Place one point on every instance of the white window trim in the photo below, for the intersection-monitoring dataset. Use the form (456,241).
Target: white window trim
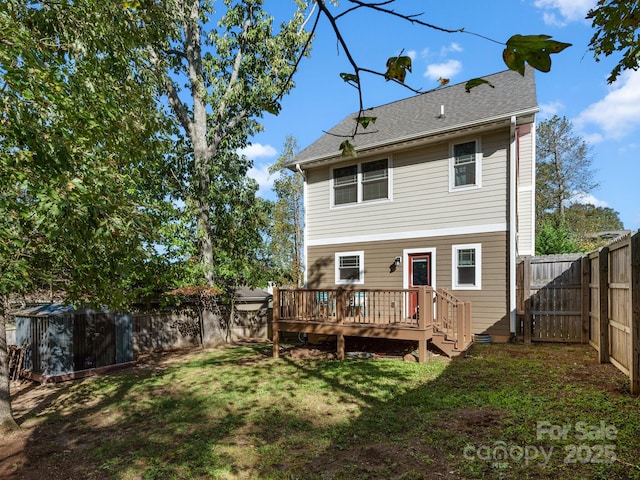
(454,266)
(338,281)
(359,184)
(452,178)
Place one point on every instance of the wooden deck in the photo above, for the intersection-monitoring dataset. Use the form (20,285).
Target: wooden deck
(423,315)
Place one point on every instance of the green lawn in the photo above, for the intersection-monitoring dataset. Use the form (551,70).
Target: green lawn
(505,411)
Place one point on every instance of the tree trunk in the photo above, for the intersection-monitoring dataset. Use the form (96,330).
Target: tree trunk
(206,241)
(7,423)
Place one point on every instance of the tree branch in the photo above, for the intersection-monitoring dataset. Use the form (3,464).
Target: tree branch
(172,93)
(221,123)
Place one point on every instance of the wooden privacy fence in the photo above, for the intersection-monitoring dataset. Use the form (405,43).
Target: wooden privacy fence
(593,298)
(550,298)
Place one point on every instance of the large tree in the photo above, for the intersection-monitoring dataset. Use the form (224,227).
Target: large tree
(563,178)
(563,169)
(220,70)
(589,224)
(80,156)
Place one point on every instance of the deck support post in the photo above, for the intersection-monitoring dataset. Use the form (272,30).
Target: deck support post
(274,323)
(425,320)
(422,350)
(340,347)
(423,308)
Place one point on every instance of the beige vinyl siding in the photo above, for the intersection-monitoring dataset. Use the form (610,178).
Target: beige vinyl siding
(525,223)
(421,198)
(489,305)
(526,161)
(526,191)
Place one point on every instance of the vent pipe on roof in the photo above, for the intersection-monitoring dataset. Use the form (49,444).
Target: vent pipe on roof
(442,115)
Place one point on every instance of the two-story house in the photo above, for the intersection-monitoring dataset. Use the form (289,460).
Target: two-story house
(441,193)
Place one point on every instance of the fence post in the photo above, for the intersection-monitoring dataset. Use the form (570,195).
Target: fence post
(526,296)
(634,364)
(586,297)
(603,265)
(274,323)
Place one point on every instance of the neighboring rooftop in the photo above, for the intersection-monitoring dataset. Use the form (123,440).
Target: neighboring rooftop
(420,115)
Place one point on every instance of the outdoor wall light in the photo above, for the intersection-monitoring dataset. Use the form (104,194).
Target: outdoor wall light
(395,264)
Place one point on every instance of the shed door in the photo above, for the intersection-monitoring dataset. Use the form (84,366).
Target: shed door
(419,272)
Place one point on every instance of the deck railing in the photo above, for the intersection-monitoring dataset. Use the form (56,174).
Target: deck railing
(373,307)
(334,310)
(452,318)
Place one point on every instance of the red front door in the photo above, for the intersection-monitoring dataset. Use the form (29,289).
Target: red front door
(419,275)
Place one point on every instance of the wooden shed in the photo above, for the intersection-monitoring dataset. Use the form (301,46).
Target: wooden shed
(65,343)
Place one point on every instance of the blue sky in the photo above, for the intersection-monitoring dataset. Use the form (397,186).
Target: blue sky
(606,116)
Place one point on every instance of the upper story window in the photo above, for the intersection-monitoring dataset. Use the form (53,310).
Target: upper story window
(465,165)
(361,182)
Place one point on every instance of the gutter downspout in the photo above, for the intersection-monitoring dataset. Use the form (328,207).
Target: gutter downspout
(513,227)
(304,230)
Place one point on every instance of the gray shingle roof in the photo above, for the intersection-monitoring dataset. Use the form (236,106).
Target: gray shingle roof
(418,115)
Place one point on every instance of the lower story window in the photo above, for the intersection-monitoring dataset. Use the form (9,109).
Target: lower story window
(350,267)
(466,267)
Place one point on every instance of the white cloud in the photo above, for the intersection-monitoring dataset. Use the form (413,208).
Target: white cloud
(587,198)
(257,150)
(260,171)
(443,70)
(261,175)
(592,138)
(568,10)
(454,47)
(552,20)
(548,110)
(618,113)
(412,54)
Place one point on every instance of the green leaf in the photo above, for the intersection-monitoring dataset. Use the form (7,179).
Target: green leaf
(535,50)
(348,150)
(349,77)
(365,121)
(272,108)
(397,68)
(476,82)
